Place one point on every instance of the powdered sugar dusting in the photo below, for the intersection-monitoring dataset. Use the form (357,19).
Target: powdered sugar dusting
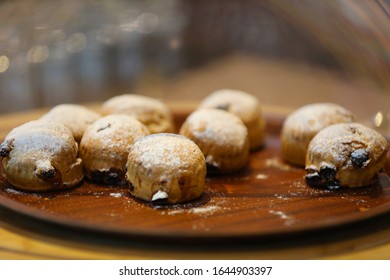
(115,132)
(218,127)
(13,191)
(287,219)
(162,154)
(240,103)
(279,213)
(205,210)
(73,116)
(48,139)
(133,104)
(116,195)
(166,150)
(314,117)
(261,176)
(275,162)
(202,210)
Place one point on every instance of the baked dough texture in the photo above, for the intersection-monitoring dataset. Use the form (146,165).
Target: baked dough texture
(346,155)
(41,156)
(245,106)
(221,136)
(151,112)
(304,123)
(166,168)
(75,117)
(105,146)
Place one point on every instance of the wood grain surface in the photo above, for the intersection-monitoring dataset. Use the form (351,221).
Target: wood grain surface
(267,204)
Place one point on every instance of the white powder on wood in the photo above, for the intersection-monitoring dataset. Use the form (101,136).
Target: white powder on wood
(288,220)
(281,214)
(209,209)
(206,210)
(275,162)
(261,176)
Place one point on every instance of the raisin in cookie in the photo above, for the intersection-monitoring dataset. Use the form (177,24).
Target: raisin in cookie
(347,155)
(75,117)
(167,168)
(41,156)
(303,124)
(151,112)
(244,105)
(221,136)
(105,146)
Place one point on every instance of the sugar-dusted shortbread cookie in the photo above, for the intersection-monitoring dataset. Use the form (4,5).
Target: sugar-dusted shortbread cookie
(167,168)
(41,156)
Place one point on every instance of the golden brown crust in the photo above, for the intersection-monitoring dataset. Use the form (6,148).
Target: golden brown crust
(105,145)
(221,136)
(166,167)
(245,106)
(304,123)
(348,155)
(75,117)
(154,114)
(41,156)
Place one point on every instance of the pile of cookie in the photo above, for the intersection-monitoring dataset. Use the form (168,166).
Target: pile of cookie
(132,142)
(334,148)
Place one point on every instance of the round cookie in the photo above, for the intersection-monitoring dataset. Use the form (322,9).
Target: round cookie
(304,123)
(75,117)
(149,111)
(166,167)
(105,146)
(244,105)
(221,136)
(41,156)
(347,155)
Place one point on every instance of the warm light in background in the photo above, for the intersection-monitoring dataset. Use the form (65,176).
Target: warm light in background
(38,54)
(80,51)
(4,63)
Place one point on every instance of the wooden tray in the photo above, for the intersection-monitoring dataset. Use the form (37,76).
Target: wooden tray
(269,197)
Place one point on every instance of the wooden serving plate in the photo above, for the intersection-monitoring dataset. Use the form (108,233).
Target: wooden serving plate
(269,197)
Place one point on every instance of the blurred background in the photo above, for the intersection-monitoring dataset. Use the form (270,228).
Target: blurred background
(286,52)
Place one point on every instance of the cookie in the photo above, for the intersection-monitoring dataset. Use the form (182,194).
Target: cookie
(304,123)
(41,156)
(166,168)
(346,155)
(221,136)
(151,112)
(105,146)
(75,117)
(244,105)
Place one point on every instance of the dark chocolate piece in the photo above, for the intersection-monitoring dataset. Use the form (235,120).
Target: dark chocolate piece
(313,179)
(359,158)
(224,107)
(5,148)
(109,177)
(328,172)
